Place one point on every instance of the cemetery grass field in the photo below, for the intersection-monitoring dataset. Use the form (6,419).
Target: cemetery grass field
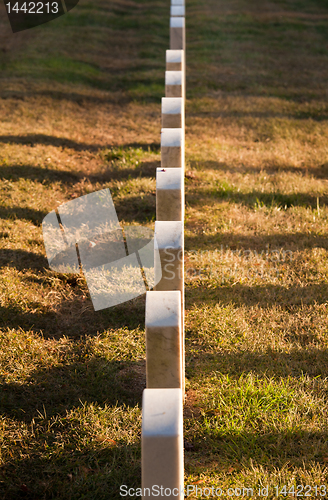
(80,111)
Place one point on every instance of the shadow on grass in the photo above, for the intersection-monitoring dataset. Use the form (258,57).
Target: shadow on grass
(315,115)
(246,450)
(45,175)
(142,170)
(22,260)
(92,471)
(73,317)
(48,140)
(238,243)
(73,469)
(29,214)
(254,198)
(62,142)
(76,97)
(136,208)
(56,389)
(304,360)
(116,91)
(320,172)
(69,178)
(261,295)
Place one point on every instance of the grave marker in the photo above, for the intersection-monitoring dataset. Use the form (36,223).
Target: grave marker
(169,246)
(174,84)
(177,33)
(169,194)
(162,443)
(172,112)
(163,340)
(172,148)
(169,242)
(174,60)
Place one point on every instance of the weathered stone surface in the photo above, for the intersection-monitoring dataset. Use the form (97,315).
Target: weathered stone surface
(169,194)
(163,340)
(162,443)
(178,11)
(172,148)
(173,112)
(177,33)
(174,84)
(174,60)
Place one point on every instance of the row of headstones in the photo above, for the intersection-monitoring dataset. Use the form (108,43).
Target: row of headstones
(162,404)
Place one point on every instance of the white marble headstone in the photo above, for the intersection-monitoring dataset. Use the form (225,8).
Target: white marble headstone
(174,60)
(163,340)
(174,84)
(172,148)
(177,33)
(173,112)
(169,194)
(162,444)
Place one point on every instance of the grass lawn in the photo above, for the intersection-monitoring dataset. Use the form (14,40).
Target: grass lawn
(80,103)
